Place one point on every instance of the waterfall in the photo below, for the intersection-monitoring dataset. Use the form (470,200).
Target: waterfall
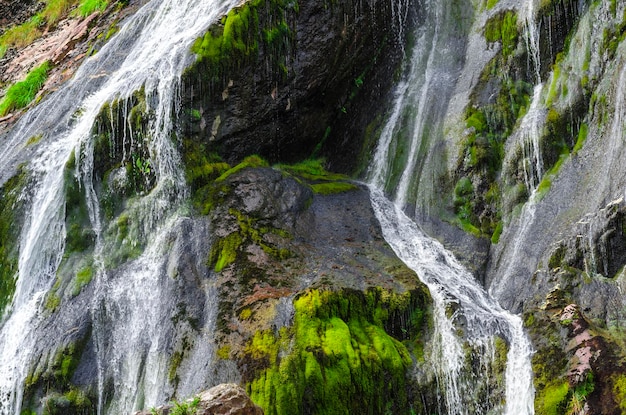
(419,107)
(531,36)
(453,286)
(459,301)
(129,309)
(529,132)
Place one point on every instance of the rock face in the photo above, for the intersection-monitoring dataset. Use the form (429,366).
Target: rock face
(312,89)
(16,11)
(224,399)
(284,265)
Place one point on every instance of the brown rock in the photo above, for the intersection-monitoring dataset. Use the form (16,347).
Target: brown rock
(227,399)
(224,399)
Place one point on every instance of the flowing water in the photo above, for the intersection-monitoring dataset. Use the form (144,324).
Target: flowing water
(127,310)
(530,132)
(453,287)
(460,303)
(420,104)
(150,52)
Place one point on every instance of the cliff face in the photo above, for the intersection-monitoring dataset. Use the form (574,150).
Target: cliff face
(278,278)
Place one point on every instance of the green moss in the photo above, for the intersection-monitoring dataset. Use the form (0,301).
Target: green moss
(503,28)
(582,137)
(313,170)
(224,352)
(314,173)
(87,7)
(333,187)
(241,33)
(224,251)
(74,401)
(245,314)
(10,227)
(553,398)
(34,140)
(79,236)
(175,361)
(83,277)
(491,4)
(546,182)
(23,93)
(495,237)
(341,357)
(253,161)
(619,391)
(53,301)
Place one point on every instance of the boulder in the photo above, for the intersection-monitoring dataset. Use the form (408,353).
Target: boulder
(224,399)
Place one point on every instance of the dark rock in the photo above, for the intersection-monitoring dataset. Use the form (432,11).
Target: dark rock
(337,52)
(14,12)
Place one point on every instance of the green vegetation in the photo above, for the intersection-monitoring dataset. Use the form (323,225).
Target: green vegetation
(73,401)
(83,277)
(225,250)
(321,181)
(333,188)
(185,408)
(491,4)
(253,161)
(10,213)
(240,34)
(53,378)
(503,28)
(23,93)
(582,137)
(24,34)
(347,352)
(79,236)
(478,209)
(87,7)
(554,400)
(619,391)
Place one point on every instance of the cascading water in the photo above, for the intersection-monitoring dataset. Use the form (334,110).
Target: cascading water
(420,105)
(528,138)
(451,286)
(128,309)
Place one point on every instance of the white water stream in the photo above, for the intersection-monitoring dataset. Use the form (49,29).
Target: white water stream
(453,287)
(155,46)
(460,303)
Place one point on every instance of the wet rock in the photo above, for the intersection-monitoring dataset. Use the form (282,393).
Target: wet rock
(285,103)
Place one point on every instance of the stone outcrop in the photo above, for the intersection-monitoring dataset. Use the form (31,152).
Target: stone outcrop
(223,399)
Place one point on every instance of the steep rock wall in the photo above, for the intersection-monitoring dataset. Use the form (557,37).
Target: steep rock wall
(300,79)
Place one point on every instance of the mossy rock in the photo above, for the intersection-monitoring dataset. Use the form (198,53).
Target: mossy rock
(347,352)
(11,206)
